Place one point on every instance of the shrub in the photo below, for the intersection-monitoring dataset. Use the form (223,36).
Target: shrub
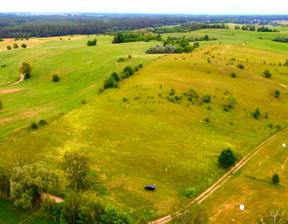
(240,66)
(275,178)
(233,75)
(267,74)
(1,105)
(115,76)
(33,125)
(230,101)
(3,66)
(83,101)
(91,42)
(128,70)
(15,45)
(256,114)
(110,83)
(277,93)
(227,158)
(172,92)
(124,99)
(191,93)
(55,78)
(190,192)
(24,46)
(129,56)
(8,47)
(101,90)
(121,59)
(136,69)
(206,98)
(140,66)
(207,119)
(42,122)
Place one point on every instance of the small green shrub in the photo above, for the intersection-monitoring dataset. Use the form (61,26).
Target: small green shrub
(172,92)
(275,178)
(83,101)
(124,99)
(240,66)
(277,93)
(24,46)
(207,120)
(3,66)
(121,59)
(42,123)
(191,93)
(256,114)
(233,75)
(8,47)
(55,78)
(267,74)
(33,125)
(190,192)
(27,76)
(206,98)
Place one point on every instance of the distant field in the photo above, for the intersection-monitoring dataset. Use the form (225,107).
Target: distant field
(146,139)
(82,71)
(11,215)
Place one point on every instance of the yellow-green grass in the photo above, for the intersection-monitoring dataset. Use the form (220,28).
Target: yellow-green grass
(11,215)
(82,71)
(148,139)
(253,187)
(239,37)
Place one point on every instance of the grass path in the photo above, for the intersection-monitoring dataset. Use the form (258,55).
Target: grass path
(228,175)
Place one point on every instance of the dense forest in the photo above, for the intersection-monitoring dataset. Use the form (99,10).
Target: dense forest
(25,25)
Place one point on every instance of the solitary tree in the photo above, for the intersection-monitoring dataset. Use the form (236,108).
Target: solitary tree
(267,74)
(8,47)
(227,158)
(277,93)
(275,178)
(75,165)
(55,78)
(25,69)
(23,45)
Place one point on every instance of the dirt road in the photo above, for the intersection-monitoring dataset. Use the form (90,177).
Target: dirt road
(226,177)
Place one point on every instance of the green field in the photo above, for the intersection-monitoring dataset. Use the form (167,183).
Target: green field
(11,215)
(134,135)
(81,69)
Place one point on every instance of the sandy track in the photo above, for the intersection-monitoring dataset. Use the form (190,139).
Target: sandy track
(226,177)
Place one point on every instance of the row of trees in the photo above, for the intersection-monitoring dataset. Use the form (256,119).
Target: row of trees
(281,39)
(15,46)
(133,37)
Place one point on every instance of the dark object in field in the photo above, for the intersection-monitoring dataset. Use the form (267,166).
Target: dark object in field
(150,187)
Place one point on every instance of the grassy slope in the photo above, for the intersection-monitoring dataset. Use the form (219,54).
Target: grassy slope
(253,187)
(148,139)
(81,69)
(11,215)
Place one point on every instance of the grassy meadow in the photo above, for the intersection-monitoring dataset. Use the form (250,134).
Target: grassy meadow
(134,135)
(82,71)
(11,215)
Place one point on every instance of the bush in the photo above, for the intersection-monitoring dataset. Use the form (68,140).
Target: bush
(275,178)
(230,101)
(276,93)
(1,105)
(227,158)
(233,75)
(140,66)
(55,78)
(207,120)
(121,59)
(190,192)
(256,114)
(83,101)
(15,45)
(8,47)
(129,56)
(42,123)
(115,76)
(24,46)
(33,125)
(191,93)
(92,42)
(240,66)
(206,98)
(128,71)
(267,74)
(172,92)
(110,83)
(3,66)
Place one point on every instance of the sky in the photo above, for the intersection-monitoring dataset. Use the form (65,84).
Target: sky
(149,6)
